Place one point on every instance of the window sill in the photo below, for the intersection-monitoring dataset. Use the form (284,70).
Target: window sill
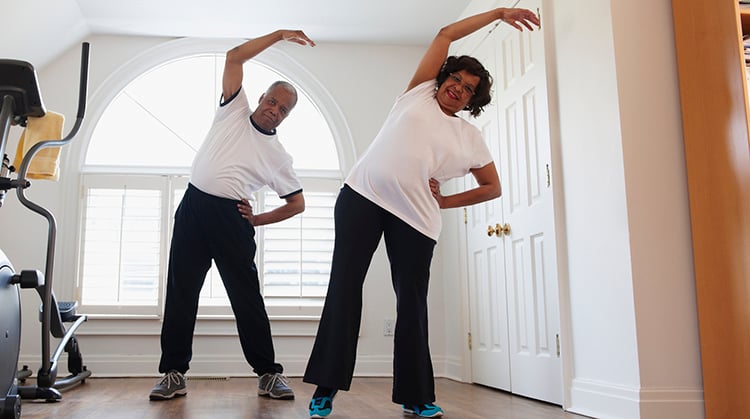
(277,309)
(100,325)
(208,317)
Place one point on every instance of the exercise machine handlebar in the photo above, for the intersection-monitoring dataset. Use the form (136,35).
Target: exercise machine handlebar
(46,372)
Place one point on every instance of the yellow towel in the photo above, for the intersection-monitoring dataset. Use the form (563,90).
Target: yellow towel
(45,164)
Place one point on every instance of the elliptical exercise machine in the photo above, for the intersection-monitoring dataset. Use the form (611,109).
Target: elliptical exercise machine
(19,92)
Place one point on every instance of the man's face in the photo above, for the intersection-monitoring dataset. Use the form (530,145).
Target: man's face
(273,107)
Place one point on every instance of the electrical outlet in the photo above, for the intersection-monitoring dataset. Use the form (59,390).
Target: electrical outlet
(389,325)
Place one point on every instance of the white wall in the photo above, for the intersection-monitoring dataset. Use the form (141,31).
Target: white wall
(28,28)
(656,187)
(633,344)
(604,346)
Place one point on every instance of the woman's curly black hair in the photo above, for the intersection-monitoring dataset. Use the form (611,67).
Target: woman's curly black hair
(482,95)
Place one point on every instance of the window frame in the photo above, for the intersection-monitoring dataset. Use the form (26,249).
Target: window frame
(273,57)
(112,180)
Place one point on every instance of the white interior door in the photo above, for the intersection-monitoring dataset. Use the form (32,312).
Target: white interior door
(529,278)
(490,356)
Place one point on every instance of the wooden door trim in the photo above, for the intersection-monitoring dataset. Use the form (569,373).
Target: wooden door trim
(715,129)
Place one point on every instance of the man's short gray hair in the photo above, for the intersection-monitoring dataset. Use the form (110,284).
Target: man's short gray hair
(286,85)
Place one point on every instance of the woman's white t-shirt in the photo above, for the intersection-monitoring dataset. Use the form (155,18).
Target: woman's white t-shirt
(418,141)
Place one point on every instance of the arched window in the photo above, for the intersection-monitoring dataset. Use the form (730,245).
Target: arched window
(135,168)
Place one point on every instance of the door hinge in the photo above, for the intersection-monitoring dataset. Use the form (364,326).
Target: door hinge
(549,178)
(557,344)
(539,16)
(469,340)
(466,217)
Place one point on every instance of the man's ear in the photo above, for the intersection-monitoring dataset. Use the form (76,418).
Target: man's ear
(260,99)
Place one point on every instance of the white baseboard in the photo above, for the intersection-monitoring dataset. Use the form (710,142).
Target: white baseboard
(611,401)
(672,403)
(228,366)
(452,368)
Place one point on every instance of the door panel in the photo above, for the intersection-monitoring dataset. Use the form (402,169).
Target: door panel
(516,127)
(531,274)
(488,307)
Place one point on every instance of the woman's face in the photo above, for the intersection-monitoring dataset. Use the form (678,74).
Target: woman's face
(456,91)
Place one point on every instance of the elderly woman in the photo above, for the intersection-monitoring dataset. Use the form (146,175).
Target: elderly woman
(394,191)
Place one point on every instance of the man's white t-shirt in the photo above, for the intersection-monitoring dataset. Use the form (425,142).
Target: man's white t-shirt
(236,159)
(418,141)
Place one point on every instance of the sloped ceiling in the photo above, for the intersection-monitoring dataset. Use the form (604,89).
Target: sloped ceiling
(39,30)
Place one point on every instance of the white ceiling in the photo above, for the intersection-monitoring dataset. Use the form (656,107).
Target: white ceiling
(39,30)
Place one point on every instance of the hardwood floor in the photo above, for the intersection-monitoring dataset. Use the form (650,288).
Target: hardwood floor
(115,398)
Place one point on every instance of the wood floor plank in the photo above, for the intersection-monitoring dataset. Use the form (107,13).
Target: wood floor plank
(236,398)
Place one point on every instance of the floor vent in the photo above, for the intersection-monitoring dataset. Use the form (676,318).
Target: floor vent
(207,378)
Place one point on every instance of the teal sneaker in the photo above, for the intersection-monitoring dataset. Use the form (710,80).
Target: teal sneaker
(428,410)
(321,407)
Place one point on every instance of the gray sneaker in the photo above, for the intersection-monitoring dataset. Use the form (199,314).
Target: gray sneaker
(274,386)
(172,385)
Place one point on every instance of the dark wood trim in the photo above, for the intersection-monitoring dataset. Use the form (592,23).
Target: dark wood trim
(715,127)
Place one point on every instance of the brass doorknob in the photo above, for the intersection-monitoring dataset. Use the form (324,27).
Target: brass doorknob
(499,230)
